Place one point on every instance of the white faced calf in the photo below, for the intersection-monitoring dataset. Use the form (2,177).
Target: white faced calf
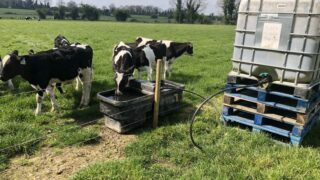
(125,59)
(123,66)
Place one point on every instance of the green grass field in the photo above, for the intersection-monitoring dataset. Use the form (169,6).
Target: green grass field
(164,153)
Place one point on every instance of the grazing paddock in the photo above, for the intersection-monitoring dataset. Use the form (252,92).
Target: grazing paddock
(162,153)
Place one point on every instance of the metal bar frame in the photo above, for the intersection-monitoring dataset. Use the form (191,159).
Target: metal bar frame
(277,67)
(305,44)
(276,50)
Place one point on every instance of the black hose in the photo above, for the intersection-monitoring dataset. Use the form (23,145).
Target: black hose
(262,81)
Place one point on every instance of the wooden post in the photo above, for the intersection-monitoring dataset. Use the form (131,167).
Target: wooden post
(157,93)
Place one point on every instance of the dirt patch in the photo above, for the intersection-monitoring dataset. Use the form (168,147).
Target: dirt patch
(53,163)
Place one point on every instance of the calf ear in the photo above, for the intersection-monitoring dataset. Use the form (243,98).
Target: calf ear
(138,39)
(23,61)
(15,52)
(31,52)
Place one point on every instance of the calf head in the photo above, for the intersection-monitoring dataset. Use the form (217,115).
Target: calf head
(123,65)
(61,41)
(189,49)
(11,66)
(120,47)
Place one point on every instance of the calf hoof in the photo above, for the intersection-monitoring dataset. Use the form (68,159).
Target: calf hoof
(36,113)
(78,87)
(11,87)
(82,106)
(54,109)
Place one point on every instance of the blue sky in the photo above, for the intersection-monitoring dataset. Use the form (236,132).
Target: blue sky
(164,4)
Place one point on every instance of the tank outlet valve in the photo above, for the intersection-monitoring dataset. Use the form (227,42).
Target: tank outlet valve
(265,80)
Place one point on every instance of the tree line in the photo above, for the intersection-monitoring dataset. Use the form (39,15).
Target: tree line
(189,11)
(182,11)
(71,11)
(25,4)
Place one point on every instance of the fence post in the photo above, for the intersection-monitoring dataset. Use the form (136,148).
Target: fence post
(157,94)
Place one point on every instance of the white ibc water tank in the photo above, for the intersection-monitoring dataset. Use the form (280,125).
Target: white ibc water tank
(280,37)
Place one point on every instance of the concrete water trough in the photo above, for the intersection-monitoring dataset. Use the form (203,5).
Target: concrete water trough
(135,106)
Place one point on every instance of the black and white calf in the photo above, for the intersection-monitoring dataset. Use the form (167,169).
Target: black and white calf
(146,57)
(58,85)
(174,51)
(59,42)
(126,59)
(44,69)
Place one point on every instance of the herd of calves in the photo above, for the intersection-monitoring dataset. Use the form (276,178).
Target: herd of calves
(46,70)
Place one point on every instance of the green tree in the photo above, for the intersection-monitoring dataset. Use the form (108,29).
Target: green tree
(74,14)
(90,12)
(179,13)
(62,12)
(42,13)
(229,11)
(121,15)
(192,9)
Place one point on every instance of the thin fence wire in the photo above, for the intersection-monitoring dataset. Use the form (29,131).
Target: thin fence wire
(78,143)
(44,137)
(81,125)
(37,90)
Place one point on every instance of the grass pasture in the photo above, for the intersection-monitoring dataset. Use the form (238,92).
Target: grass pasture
(166,152)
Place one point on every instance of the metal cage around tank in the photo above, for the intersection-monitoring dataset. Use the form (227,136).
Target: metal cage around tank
(279,37)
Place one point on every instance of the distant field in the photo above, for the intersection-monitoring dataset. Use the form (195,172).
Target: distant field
(6,13)
(16,13)
(164,153)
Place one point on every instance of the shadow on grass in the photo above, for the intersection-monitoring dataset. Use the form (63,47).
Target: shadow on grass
(313,137)
(180,116)
(90,113)
(184,78)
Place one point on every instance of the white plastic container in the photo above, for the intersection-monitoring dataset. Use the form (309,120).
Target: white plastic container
(280,37)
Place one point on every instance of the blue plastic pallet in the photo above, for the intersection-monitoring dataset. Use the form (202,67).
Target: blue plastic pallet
(295,133)
(274,99)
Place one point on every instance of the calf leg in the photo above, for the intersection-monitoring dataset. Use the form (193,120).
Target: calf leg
(39,99)
(10,84)
(78,82)
(86,81)
(169,69)
(149,71)
(54,102)
(166,70)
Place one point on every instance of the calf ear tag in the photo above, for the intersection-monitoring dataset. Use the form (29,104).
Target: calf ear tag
(23,61)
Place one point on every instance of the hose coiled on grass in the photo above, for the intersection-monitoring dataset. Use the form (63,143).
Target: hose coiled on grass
(264,80)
